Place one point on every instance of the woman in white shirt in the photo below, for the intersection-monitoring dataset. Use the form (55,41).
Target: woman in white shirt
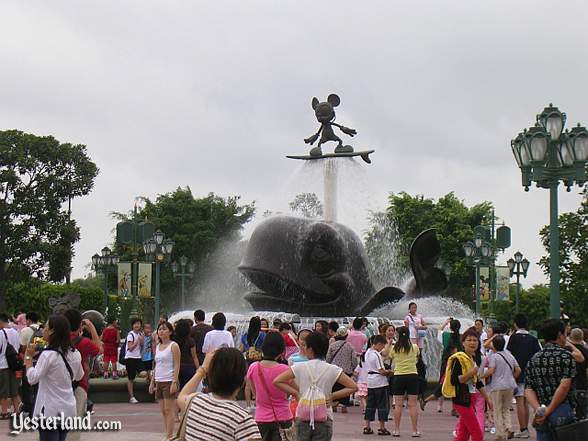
(164,381)
(58,366)
(415,323)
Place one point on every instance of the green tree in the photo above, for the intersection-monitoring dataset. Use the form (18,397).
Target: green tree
(307,205)
(573,252)
(454,222)
(196,225)
(38,174)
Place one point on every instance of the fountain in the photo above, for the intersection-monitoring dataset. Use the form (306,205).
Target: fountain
(309,269)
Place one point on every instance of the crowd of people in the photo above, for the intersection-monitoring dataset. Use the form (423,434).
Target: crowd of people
(293,381)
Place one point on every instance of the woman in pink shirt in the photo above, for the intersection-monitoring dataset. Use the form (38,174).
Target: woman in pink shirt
(356,337)
(272,410)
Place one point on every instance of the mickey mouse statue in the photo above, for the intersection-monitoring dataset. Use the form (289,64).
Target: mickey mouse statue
(325,114)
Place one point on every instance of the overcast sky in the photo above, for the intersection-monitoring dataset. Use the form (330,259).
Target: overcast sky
(214,94)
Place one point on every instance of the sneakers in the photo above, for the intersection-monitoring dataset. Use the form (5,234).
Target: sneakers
(523,434)
(133,400)
(423,403)
(454,433)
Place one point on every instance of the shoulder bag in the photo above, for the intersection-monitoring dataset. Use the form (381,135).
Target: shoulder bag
(181,433)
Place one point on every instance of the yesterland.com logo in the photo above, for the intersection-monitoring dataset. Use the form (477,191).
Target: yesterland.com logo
(20,423)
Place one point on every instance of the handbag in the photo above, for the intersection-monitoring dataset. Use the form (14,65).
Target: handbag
(577,431)
(181,432)
(286,433)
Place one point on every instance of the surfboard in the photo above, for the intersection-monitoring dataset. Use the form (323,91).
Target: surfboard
(364,155)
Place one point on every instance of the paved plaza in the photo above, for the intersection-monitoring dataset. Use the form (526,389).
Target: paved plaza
(143,422)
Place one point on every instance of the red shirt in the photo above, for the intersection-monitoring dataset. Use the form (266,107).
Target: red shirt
(87,349)
(109,340)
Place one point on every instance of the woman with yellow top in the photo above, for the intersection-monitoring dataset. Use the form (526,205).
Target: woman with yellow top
(462,385)
(404,354)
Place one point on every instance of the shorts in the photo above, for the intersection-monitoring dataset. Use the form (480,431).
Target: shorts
(147,365)
(377,401)
(323,431)
(406,384)
(8,384)
(520,390)
(110,358)
(134,366)
(163,390)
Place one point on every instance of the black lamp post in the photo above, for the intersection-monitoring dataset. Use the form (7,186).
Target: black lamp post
(518,267)
(547,155)
(104,263)
(186,270)
(157,249)
(478,253)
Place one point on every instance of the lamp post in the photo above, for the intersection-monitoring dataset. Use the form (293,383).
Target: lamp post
(518,267)
(104,262)
(547,155)
(477,252)
(183,275)
(157,249)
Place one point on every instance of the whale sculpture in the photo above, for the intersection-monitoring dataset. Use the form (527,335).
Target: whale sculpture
(320,268)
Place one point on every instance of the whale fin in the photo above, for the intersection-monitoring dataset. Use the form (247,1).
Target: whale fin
(389,294)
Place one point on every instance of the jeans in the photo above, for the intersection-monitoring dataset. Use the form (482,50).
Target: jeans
(563,414)
(321,431)
(468,424)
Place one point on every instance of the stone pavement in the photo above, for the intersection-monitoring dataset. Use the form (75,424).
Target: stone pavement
(143,422)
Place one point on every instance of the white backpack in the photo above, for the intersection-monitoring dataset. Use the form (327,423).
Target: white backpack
(313,403)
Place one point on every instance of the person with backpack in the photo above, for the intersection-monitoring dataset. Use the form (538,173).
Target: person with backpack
(272,409)
(57,372)
(88,348)
(522,346)
(132,356)
(31,333)
(32,327)
(250,345)
(314,383)
(10,363)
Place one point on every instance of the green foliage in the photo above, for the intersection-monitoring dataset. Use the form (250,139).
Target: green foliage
(34,296)
(37,176)
(307,205)
(454,222)
(573,251)
(196,225)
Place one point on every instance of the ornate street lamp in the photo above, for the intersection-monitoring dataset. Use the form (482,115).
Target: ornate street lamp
(546,155)
(518,267)
(157,249)
(105,262)
(478,252)
(186,271)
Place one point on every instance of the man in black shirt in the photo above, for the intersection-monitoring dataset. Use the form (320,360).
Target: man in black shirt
(581,383)
(522,346)
(548,381)
(198,332)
